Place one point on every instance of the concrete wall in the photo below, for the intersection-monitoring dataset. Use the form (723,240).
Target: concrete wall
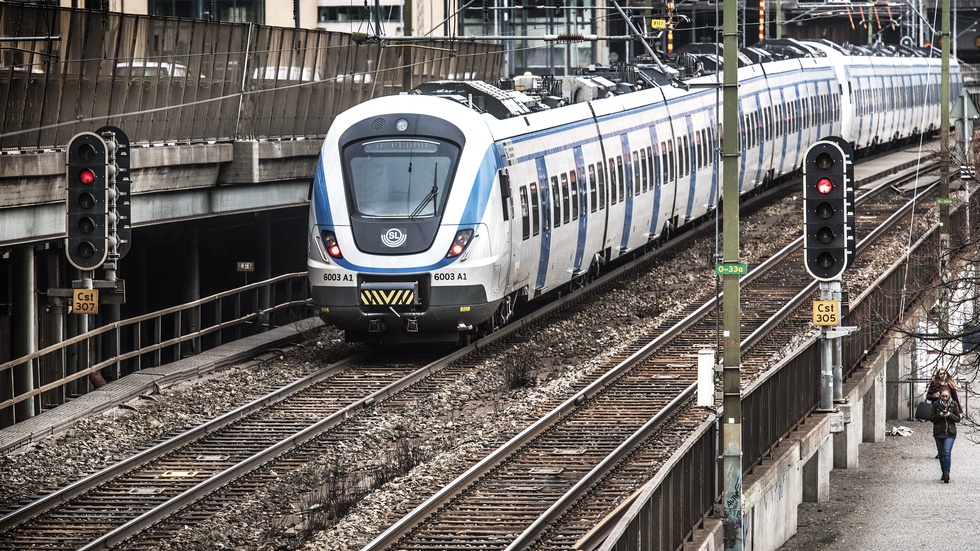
(799,468)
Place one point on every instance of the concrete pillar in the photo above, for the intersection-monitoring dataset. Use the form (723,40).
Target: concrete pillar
(192,289)
(906,396)
(846,443)
(816,473)
(874,410)
(24,324)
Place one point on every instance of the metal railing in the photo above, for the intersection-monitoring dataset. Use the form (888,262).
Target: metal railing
(66,369)
(168,80)
(773,406)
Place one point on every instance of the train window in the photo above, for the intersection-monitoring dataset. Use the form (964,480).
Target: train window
(636,173)
(747,133)
(644,177)
(663,161)
(620,177)
(535,213)
(764,119)
(525,214)
(670,160)
(592,187)
(655,179)
(612,181)
(687,156)
(601,176)
(555,202)
(649,169)
(399,178)
(680,159)
(700,151)
(569,192)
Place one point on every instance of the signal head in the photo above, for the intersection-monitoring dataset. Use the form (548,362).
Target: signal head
(87,201)
(826,210)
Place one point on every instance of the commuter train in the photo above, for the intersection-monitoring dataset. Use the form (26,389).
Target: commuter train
(437,211)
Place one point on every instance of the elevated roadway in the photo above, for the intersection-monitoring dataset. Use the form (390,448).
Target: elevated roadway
(171,183)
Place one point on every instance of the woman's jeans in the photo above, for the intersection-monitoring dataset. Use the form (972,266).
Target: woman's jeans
(945,448)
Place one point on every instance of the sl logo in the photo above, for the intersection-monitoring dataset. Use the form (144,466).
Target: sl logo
(394,238)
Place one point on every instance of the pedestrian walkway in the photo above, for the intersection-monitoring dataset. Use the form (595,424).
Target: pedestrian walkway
(895,501)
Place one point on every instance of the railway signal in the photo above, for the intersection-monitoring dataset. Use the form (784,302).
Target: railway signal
(828,211)
(87,201)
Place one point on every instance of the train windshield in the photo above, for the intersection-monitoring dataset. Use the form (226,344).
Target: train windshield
(400,178)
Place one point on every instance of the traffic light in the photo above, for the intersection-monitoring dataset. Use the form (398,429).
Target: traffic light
(828,211)
(87,201)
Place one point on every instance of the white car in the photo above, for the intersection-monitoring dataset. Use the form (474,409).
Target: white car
(151,69)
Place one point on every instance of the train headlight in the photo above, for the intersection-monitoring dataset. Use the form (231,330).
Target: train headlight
(460,242)
(330,244)
(401,125)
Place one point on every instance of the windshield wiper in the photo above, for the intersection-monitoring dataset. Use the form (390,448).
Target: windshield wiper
(431,196)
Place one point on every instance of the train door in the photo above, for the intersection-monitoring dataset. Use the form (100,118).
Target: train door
(503,261)
(544,194)
(525,225)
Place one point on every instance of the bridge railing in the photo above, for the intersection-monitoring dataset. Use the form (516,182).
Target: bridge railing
(48,377)
(167,80)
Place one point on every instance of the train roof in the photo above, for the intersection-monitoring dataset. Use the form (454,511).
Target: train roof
(528,93)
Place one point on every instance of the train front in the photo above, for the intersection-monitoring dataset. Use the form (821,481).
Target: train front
(400,245)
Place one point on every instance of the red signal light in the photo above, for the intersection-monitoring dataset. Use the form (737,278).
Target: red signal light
(824,186)
(87,176)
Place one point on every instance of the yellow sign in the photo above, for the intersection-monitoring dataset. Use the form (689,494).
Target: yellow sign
(658,23)
(826,313)
(85,301)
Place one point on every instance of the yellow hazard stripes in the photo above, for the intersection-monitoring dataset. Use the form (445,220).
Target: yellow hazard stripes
(387,297)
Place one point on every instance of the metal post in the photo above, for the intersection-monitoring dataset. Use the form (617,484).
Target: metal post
(732,384)
(779,19)
(56,326)
(193,290)
(87,353)
(826,357)
(944,220)
(264,266)
(838,359)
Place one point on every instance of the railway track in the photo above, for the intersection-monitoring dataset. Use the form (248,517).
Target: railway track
(125,499)
(547,487)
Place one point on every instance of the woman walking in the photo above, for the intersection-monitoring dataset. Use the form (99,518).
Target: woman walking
(945,415)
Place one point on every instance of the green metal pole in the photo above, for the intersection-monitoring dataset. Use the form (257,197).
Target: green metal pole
(732,384)
(944,152)
(779,19)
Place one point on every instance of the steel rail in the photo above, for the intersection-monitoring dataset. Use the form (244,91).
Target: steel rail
(409,522)
(83,485)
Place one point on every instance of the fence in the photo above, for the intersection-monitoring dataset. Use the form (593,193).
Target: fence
(171,80)
(773,406)
(50,376)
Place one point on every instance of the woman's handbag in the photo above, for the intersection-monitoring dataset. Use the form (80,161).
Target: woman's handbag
(923,411)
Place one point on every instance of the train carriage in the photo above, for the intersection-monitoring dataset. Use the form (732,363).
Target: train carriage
(435,212)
